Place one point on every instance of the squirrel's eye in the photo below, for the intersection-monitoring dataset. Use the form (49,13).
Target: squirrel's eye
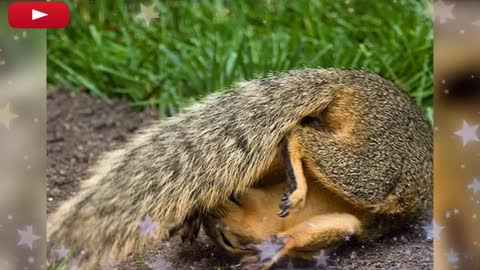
(314,122)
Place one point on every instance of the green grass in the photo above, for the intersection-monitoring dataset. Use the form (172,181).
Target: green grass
(194,49)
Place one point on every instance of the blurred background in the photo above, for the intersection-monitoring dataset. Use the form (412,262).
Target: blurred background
(457,129)
(175,52)
(22,146)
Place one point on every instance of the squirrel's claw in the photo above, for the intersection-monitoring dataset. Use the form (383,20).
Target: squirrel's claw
(286,195)
(252,263)
(250,248)
(294,201)
(285,204)
(284,209)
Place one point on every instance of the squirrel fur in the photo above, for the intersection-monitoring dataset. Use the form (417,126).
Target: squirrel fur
(372,150)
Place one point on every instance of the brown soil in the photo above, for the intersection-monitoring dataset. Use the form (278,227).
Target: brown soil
(81,127)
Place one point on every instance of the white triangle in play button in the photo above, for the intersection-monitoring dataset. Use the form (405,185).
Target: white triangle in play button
(37,14)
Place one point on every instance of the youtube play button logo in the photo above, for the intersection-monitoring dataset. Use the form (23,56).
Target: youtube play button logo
(38,15)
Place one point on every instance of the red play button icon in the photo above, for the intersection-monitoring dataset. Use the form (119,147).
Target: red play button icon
(38,15)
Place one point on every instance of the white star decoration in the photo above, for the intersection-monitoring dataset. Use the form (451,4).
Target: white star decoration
(148,227)
(474,186)
(27,237)
(61,252)
(147,14)
(452,256)
(6,116)
(433,230)
(321,259)
(468,133)
(268,249)
(443,12)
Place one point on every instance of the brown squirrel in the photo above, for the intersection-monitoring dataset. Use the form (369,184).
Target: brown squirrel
(349,151)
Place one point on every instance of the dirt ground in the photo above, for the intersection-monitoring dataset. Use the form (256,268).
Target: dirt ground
(81,127)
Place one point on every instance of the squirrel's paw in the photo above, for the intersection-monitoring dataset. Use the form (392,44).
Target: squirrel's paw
(252,263)
(189,228)
(292,202)
(264,255)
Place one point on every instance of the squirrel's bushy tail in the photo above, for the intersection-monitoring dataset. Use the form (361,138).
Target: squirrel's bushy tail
(191,162)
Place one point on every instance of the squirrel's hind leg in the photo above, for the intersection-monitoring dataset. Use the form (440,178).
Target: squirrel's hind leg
(294,197)
(309,237)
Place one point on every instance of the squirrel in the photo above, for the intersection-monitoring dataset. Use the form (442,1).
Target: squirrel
(348,149)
